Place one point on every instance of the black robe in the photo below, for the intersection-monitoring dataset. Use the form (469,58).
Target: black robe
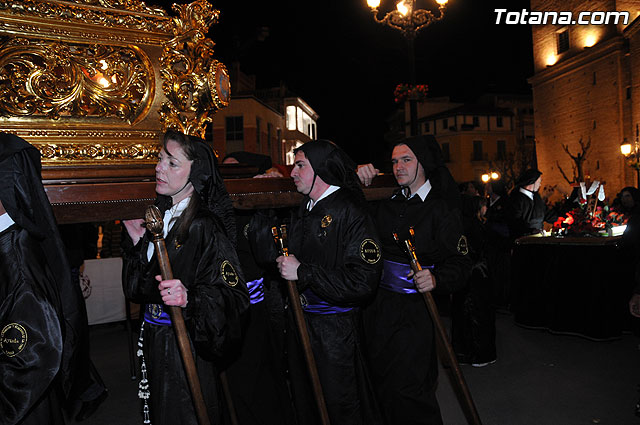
(526,216)
(31,333)
(208,266)
(399,330)
(338,247)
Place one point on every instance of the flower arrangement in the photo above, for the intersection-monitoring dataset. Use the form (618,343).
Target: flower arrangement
(580,221)
(404,92)
(589,218)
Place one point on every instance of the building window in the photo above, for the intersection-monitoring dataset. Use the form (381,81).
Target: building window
(446,152)
(445,125)
(501,149)
(258,135)
(234,134)
(562,39)
(477,150)
(499,122)
(476,121)
(427,127)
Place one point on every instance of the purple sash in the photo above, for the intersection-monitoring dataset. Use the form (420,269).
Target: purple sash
(256,290)
(155,314)
(311,303)
(394,277)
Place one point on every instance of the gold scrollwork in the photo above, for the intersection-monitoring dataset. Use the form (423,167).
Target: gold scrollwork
(78,152)
(131,14)
(195,84)
(57,79)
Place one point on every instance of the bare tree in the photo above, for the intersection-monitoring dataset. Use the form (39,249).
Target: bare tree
(578,162)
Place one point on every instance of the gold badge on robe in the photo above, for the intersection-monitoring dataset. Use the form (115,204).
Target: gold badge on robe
(326,221)
(13,339)
(463,246)
(228,273)
(370,251)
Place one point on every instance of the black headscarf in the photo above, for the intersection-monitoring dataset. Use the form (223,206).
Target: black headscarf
(26,202)
(262,162)
(207,182)
(427,151)
(332,165)
(528,177)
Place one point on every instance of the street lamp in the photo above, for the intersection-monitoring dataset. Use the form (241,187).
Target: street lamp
(633,152)
(491,175)
(409,21)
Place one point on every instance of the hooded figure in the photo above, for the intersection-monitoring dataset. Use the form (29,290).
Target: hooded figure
(527,211)
(40,307)
(400,335)
(208,284)
(335,260)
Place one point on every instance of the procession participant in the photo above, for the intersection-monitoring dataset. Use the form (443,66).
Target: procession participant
(335,261)
(527,211)
(199,230)
(256,373)
(42,315)
(398,328)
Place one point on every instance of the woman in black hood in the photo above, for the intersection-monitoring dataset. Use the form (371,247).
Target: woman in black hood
(199,232)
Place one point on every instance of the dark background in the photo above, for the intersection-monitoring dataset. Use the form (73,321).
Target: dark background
(345,66)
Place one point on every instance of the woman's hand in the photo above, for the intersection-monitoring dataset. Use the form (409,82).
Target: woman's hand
(288,267)
(135,229)
(173,292)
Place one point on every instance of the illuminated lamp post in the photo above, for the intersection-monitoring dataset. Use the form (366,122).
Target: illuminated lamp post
(633,153)
(491,175)
(409,21)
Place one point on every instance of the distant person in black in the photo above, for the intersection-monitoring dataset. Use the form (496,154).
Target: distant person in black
(42,314)
(399,330)
(527,210)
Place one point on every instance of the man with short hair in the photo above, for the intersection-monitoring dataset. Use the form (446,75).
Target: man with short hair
(398,327)
(335,262)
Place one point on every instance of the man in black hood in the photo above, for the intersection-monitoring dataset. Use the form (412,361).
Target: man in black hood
(42,314)
(336,263)
(399,330)
(527,211)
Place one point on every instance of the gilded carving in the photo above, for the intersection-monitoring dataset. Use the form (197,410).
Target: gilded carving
(56,79)
(131,14)
(82,152)
(195,84)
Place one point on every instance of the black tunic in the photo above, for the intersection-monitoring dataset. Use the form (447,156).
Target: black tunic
(216,301)
(399,329)
(31,338)
(338,247)
(526,216)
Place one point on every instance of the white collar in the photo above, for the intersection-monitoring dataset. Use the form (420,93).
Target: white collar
(326,193)
(422,192)
(526,192)
(170,217)
(5,222)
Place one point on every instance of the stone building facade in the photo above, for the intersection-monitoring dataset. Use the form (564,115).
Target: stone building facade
(585,89)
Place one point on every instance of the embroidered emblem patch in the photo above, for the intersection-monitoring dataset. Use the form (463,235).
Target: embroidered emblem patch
(463,246)
(13,339)
(228,273)
(155,310)
(370,251)
(326,221)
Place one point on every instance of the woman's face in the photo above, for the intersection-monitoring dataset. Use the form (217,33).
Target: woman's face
(172,172)
(626,200)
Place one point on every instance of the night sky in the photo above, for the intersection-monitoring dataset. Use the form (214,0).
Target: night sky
(346,66)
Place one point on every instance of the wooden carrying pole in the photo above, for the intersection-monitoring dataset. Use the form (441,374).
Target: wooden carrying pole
(154,223)
(460,385)
(294,298)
